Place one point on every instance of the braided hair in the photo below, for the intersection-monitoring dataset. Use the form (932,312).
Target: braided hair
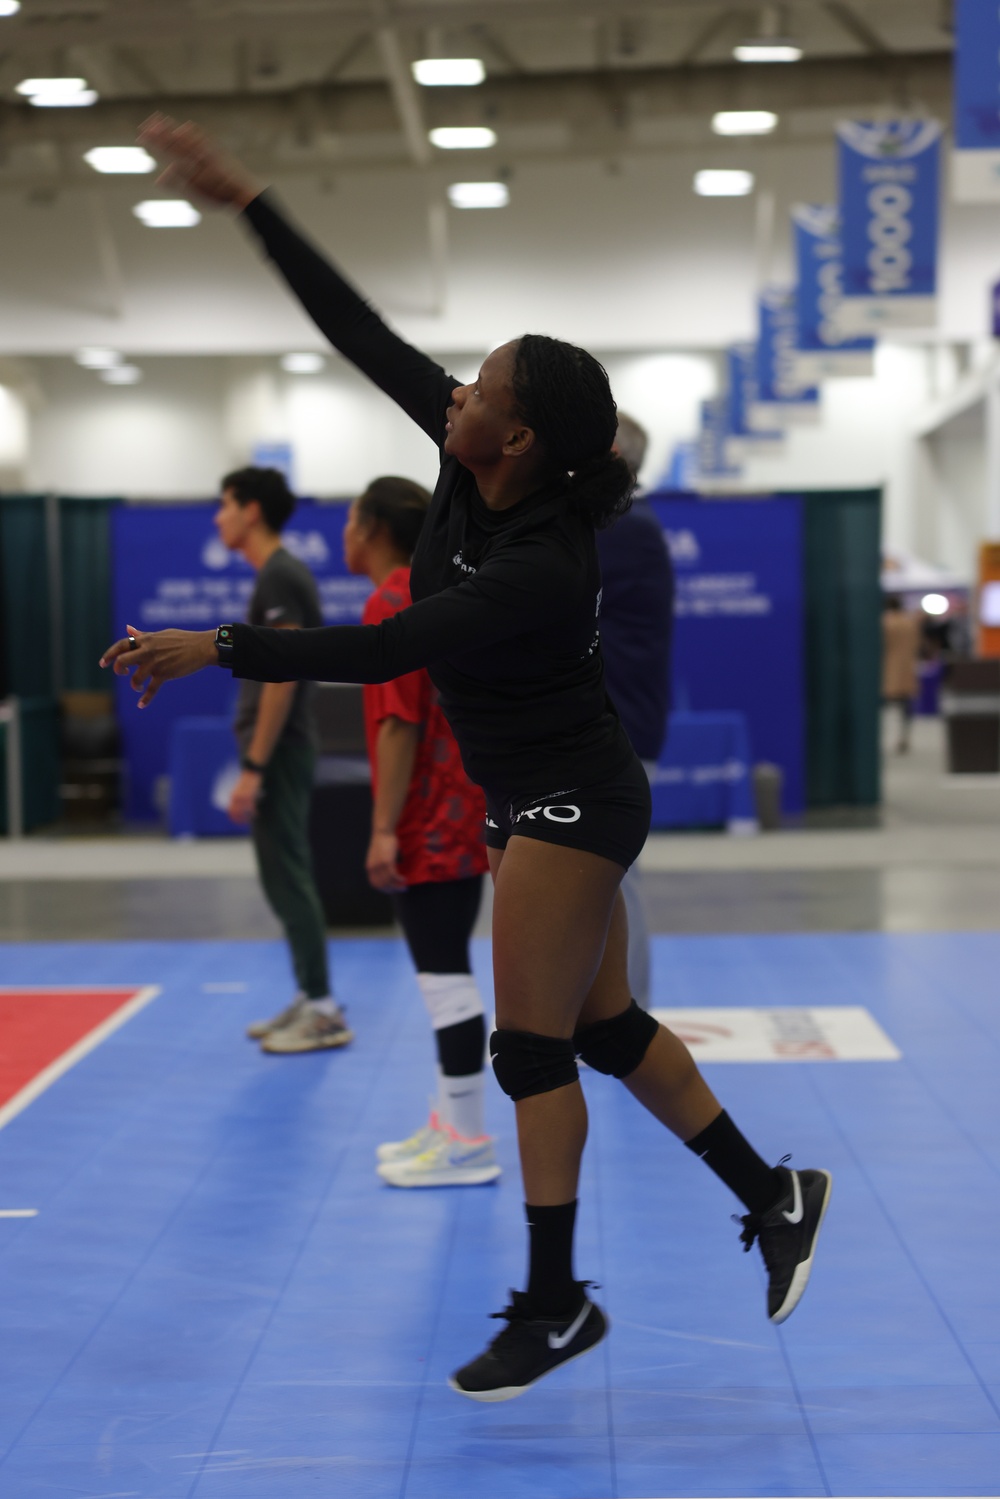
(400,505)
(564,395)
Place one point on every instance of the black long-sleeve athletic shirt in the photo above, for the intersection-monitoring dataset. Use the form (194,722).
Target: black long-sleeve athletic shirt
(506,603)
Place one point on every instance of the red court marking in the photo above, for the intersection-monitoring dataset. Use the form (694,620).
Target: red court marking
(43,1032)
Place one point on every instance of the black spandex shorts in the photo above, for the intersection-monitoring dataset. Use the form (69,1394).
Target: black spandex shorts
(610,818)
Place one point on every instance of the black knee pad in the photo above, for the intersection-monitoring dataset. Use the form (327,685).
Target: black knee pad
(616,1046)
(526,1064)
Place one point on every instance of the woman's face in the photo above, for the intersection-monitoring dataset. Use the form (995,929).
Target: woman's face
(482,419)
(355,540)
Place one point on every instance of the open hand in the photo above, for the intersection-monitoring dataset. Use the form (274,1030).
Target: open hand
(196,163)
(158,656)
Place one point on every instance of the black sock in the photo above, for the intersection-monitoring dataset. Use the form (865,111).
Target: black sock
(734,1160)
(462,1047)
(552,1290)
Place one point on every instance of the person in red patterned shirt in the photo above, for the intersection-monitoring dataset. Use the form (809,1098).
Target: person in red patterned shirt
(427,852)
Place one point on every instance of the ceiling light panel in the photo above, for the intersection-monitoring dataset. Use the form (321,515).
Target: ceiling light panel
(448,72)
(167,213)
(718,183)
(744,122)
(120,160)
(97,359)
(9,7)
(767,49)
(303,364)
(463,137)
(478,195)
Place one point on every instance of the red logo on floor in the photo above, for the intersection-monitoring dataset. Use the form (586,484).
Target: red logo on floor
(44,1032)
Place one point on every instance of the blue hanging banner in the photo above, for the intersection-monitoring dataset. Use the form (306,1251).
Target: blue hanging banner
(975,176)
(889,208)
(715,460)
(748,432)
(823,347)
(781,395)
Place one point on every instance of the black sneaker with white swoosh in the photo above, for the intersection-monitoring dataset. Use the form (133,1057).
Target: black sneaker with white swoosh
(787,1233)
(529,1348)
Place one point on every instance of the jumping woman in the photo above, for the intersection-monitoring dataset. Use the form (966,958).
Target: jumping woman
(506,597)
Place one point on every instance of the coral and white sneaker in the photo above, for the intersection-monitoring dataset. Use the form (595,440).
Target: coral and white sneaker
(449,1161)
(425,1137)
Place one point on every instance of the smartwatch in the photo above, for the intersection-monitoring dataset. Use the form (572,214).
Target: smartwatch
(224,641)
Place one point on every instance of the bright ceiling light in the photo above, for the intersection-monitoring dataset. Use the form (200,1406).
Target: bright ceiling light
(744,122)
(303,364)
(120,159)
(122,374)
(97,359)
(478,195)
(448,72)
(934,603)
(767,49)
(729,183)
(57,93)
(463,137)
(167,213)
(9,7)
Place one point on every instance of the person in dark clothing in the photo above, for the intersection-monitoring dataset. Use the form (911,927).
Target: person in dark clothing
(276,732)
(637,621)
(506,590)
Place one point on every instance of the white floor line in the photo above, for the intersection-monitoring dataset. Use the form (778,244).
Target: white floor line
(18,1212)
(87,1043)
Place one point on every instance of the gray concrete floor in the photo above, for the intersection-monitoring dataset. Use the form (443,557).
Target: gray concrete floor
(933,864)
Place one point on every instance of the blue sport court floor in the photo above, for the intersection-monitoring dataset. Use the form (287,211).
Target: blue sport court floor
(217,1299)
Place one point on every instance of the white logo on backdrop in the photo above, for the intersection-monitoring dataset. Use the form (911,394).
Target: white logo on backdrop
(215,555)
(683,546)
(309,547)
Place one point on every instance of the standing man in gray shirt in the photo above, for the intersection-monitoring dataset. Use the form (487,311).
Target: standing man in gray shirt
(276,732)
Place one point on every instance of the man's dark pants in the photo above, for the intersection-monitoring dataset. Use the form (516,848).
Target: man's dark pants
(284,861)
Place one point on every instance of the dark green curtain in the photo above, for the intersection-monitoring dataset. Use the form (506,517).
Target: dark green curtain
(27,615)
(843,646)
(85,528)
(26,629)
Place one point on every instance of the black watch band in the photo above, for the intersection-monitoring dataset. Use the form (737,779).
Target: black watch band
(253,765)
(224,641)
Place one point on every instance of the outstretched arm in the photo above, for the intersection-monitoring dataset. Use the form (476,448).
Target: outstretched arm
(507,597)
(410,378)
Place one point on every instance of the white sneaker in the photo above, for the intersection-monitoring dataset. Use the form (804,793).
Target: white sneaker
(400,1150)
(449,1162)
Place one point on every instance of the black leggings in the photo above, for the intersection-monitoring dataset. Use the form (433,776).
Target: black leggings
(437,921)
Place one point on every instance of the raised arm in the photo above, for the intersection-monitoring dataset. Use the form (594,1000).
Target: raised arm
(408,377)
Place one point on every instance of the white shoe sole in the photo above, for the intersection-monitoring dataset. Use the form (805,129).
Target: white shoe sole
(343,1038)
(511,1392)
(802,1272)
(473,1176)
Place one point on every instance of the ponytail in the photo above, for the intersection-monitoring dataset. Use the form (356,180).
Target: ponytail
(564,395)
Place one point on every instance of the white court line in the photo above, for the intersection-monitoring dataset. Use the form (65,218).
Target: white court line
(235,988)
(87,1043)
(18,1212)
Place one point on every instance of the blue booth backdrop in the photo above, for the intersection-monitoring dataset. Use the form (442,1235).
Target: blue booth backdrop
(171,570)
(738,628)
(738,645)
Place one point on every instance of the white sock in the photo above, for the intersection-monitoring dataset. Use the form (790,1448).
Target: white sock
(461,1101)
(326,1006)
